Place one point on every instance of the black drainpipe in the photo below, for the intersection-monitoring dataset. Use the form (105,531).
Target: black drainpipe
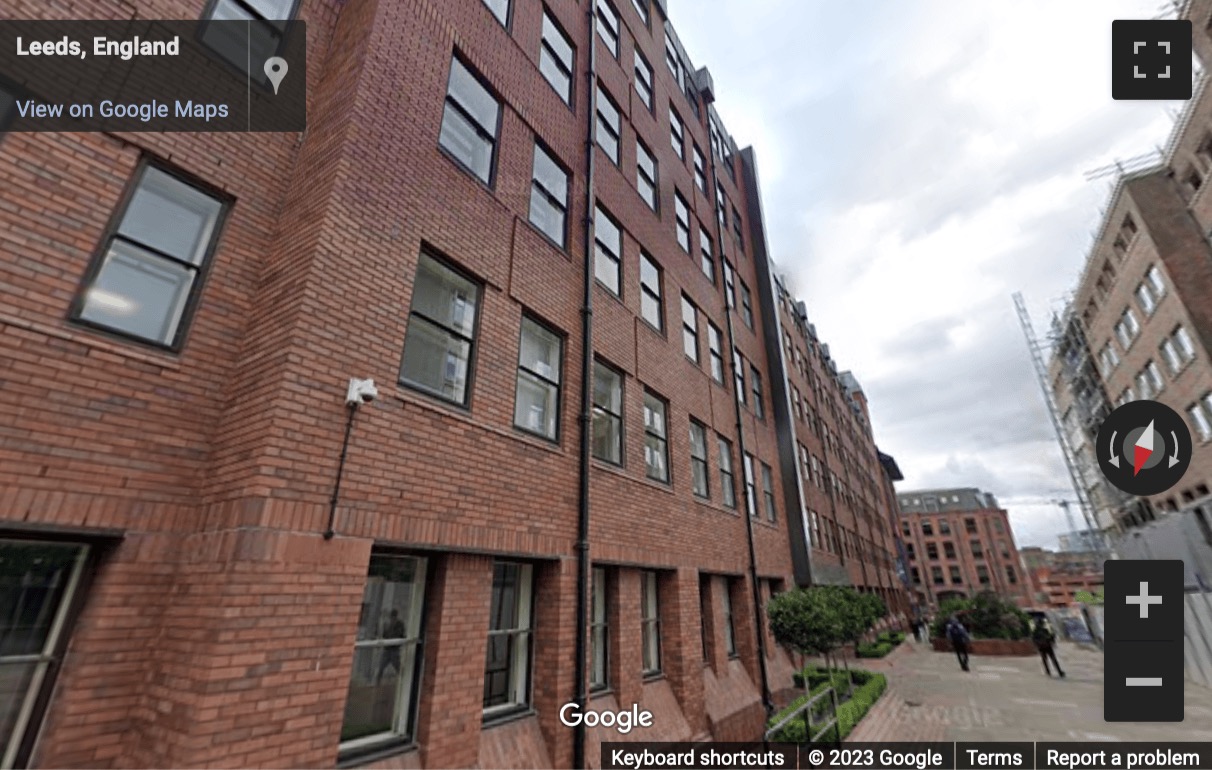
(767,698)
(583,566)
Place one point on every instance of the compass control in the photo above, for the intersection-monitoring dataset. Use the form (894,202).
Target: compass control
(1144,448)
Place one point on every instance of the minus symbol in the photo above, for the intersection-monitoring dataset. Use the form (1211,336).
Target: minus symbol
(1143,681)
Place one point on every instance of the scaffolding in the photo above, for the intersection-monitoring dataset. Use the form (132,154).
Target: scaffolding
(1077,367)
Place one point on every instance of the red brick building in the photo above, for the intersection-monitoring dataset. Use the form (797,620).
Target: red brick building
(1057,576)
(959,543)
(182,580)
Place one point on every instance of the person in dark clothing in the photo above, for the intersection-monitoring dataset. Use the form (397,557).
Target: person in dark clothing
(1045,642)
(960,640)
(394,629)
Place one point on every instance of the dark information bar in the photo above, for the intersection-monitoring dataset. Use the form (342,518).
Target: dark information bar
(1024,755)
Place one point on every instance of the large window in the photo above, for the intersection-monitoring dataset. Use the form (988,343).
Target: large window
(1178,350)
(1127,329)
(698,459)
(609,126)
(641,7)
(439,343)
(746,305)
(39,582)
(646,174)
(500,9)
(608,26)
(715,341)
(729,285)
(148,274)
(267,21)
(556,58)
(650,619)
(700,170)
(768,491)
(750,486)
(1149,381)
(607,414)
(727,476)
(643,79)
(507,664)
(690,329)
(380,707)
(706,257)
(651,305)
(608,257)
(549,197)
(656,438)
(682,217)
(738,374)
(599,637)
(1201,417)
(537,407)
(677,134)
(756,380)
(470,122)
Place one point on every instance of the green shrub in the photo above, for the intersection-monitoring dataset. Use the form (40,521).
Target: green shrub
(868,688)
(877,650)
(898,637)
(986,616)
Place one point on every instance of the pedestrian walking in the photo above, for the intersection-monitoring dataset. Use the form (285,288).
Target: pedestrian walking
(960,640)
(1045,642)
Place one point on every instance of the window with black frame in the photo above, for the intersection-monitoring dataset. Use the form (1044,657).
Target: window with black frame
(540,356)
(471,122)
(549,196)
(599,634)
(440,339)
(243,45)
(507,665)
(650,623)
(556,58)
(380,707)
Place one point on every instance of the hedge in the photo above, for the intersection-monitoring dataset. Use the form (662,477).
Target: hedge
(868,688)
(877,650)
(891,637)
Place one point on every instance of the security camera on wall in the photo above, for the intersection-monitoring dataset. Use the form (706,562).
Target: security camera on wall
(361,392)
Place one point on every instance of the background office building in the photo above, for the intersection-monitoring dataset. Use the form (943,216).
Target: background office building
(959,544)
(183,581)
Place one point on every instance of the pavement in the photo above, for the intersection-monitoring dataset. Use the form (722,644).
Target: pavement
(1009,699)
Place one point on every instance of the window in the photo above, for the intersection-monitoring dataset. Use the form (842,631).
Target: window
(599,638)
(643,79)
(706,257)
(1127,329)
(738,374)
(977,549)
(608,258)
(1108,359)
(677,134)
(507,664)
(721,206)
(1156,282)
(949,550)
(440,339)
(656,443)
(1146,299)
(916,575)
(970,525)
(690,329)
(729,627)
(746,305)
(982,574)
(932,551)
(387,657)
(727,480)
(944,526)
(956,577)
(672,60)
(1011,575)
(756,380)
(556,58)
(267,24)
(500,9)
(750,486)
(537,408)
(936,575)
(470,122)
(607,414)
(715,343)
(729,285)
(650,622)
(738,229)
(909,551)
(641,7)
(39,582)
(148,276)
(1178,350)
(608,27)
(682,215)
(1149,381)
(651,306)
(1201,417)
(609,125)
(646,174)
(700,170)
(698,459)
(768,491)
(549,197)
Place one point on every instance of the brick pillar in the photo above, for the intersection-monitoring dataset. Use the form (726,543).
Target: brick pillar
(682,641)
(743,625)
(554,675)
(626,652)
(456,642)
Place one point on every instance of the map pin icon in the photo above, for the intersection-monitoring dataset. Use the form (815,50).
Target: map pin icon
(276,69)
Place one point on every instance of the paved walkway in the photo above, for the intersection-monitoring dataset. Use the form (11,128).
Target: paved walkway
(1005,699)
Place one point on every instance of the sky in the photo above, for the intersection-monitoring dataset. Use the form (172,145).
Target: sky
(920,162)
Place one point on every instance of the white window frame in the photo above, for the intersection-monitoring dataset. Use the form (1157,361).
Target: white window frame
(608,28)
(521,662)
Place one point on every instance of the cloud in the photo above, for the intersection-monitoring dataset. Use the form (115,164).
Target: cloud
(920,163)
